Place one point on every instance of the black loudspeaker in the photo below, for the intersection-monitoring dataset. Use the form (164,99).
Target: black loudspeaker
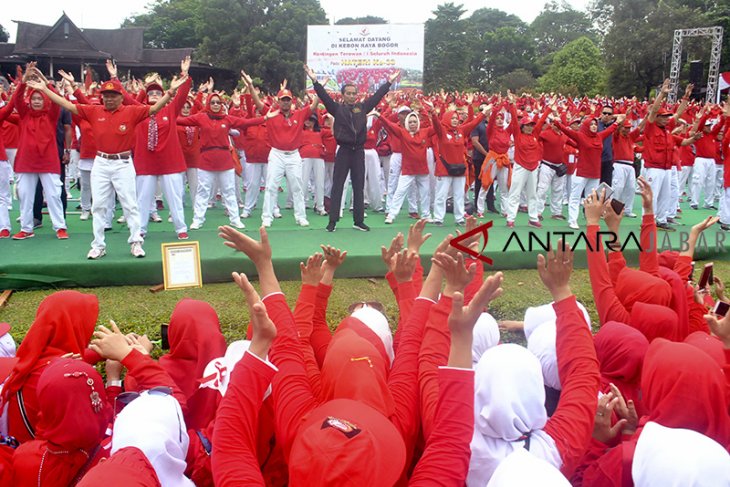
(696,70)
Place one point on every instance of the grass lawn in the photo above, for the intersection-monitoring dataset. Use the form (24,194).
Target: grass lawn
(135,308)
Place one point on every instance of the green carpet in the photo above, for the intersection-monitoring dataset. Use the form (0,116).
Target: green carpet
(45,262)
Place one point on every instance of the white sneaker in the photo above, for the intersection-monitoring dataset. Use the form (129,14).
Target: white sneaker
(169,219)
(137,250)
(96,254)
(277,213)
(266,223)
(245,214)
(155,217)
(122,219)
(238,225)
(389,219)
(303,222)
(574,226)
(85,215)
(195,226)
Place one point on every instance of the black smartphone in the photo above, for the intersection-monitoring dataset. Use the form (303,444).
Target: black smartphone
(604,187)
(164,342)
(618,207)
(692,272)
(721,308)
(706,277)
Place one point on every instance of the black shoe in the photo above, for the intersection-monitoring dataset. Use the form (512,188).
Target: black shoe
(671,221)
(361,226)
(108,229)
(725,227)
(37,223)
(492,210)
(666,227)
(331,226)
(694,207)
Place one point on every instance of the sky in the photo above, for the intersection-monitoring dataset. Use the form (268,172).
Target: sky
(108,15)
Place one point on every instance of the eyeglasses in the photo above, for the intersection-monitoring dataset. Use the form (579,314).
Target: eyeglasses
(607,113)
(127,397)
(215,103)
(376,305)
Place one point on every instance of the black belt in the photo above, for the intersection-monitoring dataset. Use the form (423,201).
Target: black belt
(115,157)
(625,163)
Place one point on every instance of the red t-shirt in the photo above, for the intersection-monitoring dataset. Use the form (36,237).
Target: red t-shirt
(658,146)
(114,131)
(312,146)
(286,133)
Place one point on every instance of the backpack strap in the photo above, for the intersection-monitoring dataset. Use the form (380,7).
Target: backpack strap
(24,414)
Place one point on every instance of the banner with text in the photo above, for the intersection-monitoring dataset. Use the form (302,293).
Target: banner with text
(365,55)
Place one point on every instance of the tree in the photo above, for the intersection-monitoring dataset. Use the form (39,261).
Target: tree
(506,49)
(169,24)
(367,20)
(4,35)
(577,70)
(446,49)
(518,81)
(556,26)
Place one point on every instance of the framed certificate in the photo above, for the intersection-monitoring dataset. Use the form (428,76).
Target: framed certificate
(181,265)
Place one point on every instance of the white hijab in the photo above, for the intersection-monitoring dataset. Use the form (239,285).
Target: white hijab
(378,323)
(542,344)
(486,336)
(678,458)
(7,346)
(521,468)
(537,315)
(505,412)
(217,374)
(155,425)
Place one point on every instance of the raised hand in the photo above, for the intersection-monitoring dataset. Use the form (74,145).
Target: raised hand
(456,274)
(333,257)
(67,76)
(700,227)
(396,245)
(310,73)
(393,77)
(264,330)
(666,86)
(282,85)
(247,80)
(111,68)
(312,271)
(595,205)
(647,196)
(555,270)
(259,252)
(110,343)
(625,410)
(404,263)
(416,237)
(688,90)
(720,328)
(185,65)
(613,220)
(602,429)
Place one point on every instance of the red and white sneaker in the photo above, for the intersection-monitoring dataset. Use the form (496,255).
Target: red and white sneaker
(510,224)
(536,224)
(137,250)
(21,235)
(62,234)
(182,236)
(5,233)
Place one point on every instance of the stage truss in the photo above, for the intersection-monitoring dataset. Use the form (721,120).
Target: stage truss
(712,79)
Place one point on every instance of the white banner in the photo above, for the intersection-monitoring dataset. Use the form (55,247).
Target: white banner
(365,55)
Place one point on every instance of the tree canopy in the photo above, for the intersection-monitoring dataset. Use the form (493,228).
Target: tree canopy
(4,35)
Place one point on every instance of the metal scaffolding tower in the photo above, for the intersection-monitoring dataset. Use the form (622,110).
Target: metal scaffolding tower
(712,79)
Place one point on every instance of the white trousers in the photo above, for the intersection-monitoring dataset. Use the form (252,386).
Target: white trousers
(6,201)
(548,180)
(719,179)
(444,184)
(724,212)
(624,184)
(431,162)
(577,186)
(684,178)
(384,173)
(396,159)
(256,171)
(51,182)
(283,164)
(406,184)
(226,182)
(329,172)
(314,167)
(522,179)
(703,181)
(107,177)
(173,187)
(191,174)
(373,176)
(660,182)
(673,192)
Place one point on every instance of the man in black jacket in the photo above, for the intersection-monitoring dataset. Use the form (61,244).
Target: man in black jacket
(350,132)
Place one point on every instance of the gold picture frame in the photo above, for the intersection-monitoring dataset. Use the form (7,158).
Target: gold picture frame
(181,265)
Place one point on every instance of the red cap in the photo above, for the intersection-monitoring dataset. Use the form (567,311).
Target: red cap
(154,86)
(526,120)
(4,328)
(347,442)
(575,120)
(284,94)
(112,86)
(665,113)
(627,124)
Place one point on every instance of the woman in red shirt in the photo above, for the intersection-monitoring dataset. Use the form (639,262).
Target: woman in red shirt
(190,143)
(312,153)
(216,162)
(496,165)
(414,168)
(37,159)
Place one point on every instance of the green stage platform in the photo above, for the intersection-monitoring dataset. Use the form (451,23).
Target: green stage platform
(45,262)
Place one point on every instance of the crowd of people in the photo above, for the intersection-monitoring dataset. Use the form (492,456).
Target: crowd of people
(461,153)
(427,397)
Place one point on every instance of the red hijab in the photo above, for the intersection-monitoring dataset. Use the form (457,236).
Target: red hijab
(668,258)
(217,115)
(37,123)
(708,344)
(638,286)
(63,324)
(684,388)
(74,414)
(655,321)
(679,300)
(195,339)
(620,350)
(354,369)
(126,468)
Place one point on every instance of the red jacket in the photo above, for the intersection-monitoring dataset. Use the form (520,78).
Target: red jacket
(623,147)
(452,141)
(553,146)
(498,137)
(189,138)
(413,147)
(37,149)
(528,150)
(590,147)
(312,146)
(658,146)
(286,133)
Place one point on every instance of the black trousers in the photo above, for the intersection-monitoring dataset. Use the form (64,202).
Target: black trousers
(478,186)
(352,161)
(607,172)
(38,201)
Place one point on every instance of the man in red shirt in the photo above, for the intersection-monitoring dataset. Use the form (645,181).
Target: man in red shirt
(284,132)
(704,174)
(552,172)
(113,125)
